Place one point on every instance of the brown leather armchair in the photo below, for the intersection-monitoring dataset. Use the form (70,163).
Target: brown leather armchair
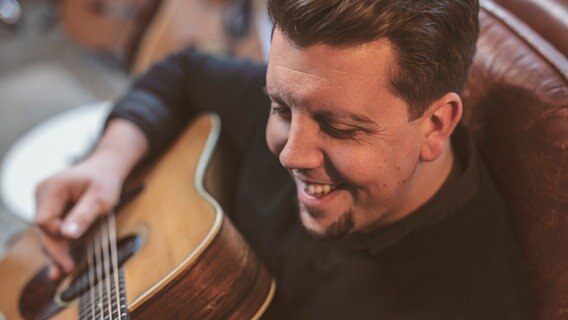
(516,105)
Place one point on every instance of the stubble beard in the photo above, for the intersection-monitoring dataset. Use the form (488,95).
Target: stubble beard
(337,229)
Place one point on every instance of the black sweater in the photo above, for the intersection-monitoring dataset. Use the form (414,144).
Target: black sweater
(453,258)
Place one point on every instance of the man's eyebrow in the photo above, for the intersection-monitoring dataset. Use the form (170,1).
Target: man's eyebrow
(334,115)
(345,115)
(274,97)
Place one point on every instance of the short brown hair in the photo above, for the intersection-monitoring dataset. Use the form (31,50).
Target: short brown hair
(434,40)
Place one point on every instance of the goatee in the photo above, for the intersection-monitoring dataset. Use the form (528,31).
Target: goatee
(339,228)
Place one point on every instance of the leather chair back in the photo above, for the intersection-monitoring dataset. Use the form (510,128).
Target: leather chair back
(547,17)
(516,105)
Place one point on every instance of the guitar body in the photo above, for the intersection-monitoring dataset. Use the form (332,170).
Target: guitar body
(190,261)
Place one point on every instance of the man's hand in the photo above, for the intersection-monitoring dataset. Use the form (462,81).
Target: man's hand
(69,202)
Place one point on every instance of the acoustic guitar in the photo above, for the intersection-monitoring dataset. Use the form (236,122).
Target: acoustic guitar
(168,252)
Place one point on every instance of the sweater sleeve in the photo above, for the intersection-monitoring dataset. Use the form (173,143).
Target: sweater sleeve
(161,101)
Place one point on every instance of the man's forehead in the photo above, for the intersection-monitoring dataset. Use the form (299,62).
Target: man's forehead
(376,56)
(336,68)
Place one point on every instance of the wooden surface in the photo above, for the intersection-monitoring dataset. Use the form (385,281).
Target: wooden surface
(176,227)
(226,282)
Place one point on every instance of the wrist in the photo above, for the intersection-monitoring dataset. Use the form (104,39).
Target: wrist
(120,148)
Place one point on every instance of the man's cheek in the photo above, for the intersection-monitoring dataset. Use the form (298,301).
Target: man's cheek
(276,136)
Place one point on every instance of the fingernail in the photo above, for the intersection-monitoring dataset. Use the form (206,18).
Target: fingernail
(72,229)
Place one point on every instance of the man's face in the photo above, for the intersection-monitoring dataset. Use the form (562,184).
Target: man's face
(344,137)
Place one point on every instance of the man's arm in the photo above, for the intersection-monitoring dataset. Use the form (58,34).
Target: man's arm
(91,188)
(186,83)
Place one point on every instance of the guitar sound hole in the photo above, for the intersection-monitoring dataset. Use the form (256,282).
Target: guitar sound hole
(80,284)
(37,298)
(36,301)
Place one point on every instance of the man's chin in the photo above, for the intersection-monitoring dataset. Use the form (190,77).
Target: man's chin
(316,226)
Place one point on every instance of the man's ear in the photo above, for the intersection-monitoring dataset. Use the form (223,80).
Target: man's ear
(438,123)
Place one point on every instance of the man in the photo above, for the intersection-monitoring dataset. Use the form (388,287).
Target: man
(369,210)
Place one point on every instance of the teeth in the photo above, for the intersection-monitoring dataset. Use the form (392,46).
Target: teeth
(318,190)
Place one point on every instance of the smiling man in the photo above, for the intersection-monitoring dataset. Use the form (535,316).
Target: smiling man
(357,159)
(357,187)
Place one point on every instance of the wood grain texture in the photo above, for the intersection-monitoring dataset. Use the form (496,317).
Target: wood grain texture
(226,282)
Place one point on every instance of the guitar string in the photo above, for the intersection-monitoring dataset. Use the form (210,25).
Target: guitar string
(113,248)
(103,246)
(99,273)
(93,252)
(106,265)
(90,257)
(91,269)
(93,265)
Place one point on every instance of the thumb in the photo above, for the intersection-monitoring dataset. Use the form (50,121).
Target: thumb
(51,201)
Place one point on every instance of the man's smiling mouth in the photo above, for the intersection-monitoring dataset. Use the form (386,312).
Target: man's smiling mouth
(314,188)
(318,190)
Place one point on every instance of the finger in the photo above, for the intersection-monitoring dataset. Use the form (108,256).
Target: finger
(53,272)
(82,215)
(51,203)
(57,249)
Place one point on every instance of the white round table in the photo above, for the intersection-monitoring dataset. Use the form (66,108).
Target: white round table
(51,146)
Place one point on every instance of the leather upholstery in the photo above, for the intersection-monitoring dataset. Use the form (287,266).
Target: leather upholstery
(516,105)
(548,17)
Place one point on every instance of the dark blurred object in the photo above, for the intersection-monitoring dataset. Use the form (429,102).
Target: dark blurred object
(107,26)
(516,105)
(10,15)
(138,32)
(236,21)
(223,27)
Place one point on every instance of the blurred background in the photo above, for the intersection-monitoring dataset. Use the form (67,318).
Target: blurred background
(61,59)
(43,73)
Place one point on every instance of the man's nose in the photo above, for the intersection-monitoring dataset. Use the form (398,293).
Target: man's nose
(302,150)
